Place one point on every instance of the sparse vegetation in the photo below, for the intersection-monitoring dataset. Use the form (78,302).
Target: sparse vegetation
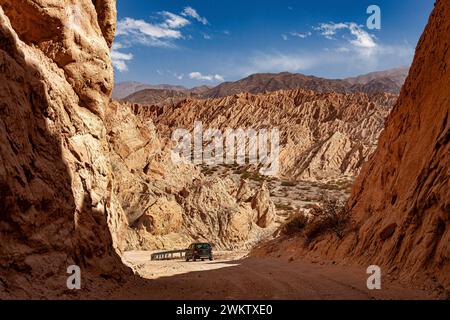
(295,224)
(289,183)
(284,207)
(340,185)
(253,176)
(209,170)
(331,216)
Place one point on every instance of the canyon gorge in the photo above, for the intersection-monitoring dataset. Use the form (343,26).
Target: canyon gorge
(84,178)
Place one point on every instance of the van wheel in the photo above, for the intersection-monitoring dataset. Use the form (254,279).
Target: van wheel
(211,259)
(195,260)
(187,259)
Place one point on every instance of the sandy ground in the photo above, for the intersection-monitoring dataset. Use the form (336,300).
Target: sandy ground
(140,262)
(233,276)
(291,196)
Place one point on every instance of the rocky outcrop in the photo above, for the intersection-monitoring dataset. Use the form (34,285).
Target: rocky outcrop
(70,34)
(163,217)
(401,199)
(57,206)
(400,202)
(265,209)
(323,136)
(169,205)
(106,14)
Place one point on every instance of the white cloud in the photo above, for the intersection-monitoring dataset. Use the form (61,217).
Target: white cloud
(362,38)
(345,58)
(191,12)
(120,59)
(328,30)
(130,26)
(285,37)
(132,31)
(199,76)
(160,33)
(174,21)
(153,34)
(342,49)
(219,78)
(206,36)
(277,62)
(301,35)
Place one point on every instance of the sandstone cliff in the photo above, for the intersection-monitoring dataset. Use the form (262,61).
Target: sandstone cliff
(57,205)
(169,205)
(400,201)
(323,136)
(80,181)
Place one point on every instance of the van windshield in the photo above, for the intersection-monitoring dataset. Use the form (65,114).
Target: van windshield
(202,246)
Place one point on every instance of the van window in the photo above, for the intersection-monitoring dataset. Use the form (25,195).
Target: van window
(203,246)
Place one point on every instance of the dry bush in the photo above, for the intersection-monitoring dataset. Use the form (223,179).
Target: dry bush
(331,216)
(284,207)
(289,183)
(295,224)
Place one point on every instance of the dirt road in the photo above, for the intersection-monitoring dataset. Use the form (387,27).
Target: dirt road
(230,277)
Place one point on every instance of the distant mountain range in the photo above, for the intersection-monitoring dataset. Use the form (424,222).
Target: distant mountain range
(161,96)
(124,89)
(389,81)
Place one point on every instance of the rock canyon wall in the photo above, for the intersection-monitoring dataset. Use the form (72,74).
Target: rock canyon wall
(57,204)
(400,202)
(169,205)
(82,179)
(325,136)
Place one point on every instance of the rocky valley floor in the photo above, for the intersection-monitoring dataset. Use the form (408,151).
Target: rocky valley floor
(235,276)
(287,194)
(84,179)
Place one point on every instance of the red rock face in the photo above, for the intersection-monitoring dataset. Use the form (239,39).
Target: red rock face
(323,136)
(401,199)
(56,203)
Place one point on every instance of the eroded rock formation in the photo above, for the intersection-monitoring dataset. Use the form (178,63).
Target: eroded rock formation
(56,191)
(400,202)
(169,205)
(323,136)
(402,197)
(81,180)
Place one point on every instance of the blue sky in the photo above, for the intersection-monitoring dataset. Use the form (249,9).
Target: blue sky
(205,42)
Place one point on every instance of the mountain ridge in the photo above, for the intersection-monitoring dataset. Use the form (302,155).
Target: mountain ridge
(388,81)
